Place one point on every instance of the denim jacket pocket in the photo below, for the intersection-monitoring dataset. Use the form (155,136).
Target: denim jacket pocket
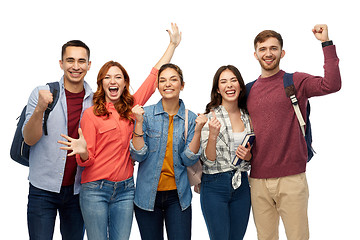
(153,139)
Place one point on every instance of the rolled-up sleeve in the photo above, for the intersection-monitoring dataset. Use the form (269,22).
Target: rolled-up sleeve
(188,157)
(138,155)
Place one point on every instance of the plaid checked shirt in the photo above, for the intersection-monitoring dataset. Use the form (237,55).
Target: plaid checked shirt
(225,149)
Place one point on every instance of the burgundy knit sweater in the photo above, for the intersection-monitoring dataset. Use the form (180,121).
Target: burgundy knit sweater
(280,148)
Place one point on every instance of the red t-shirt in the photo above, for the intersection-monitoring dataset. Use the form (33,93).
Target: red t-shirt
(74,107)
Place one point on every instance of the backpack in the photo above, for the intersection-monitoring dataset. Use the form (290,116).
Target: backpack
(20,151)
(290,91)
(194,172)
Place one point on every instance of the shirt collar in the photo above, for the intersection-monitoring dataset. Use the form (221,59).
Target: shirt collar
(160,110)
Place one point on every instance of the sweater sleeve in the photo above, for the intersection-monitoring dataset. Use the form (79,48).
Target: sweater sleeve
(147,89)
(330,83)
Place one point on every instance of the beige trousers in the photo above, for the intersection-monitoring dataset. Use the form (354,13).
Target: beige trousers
(285,197)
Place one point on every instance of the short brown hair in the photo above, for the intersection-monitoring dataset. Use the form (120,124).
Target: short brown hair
(264,35)
(75,43)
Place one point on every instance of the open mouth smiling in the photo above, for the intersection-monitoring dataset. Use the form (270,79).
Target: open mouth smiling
(75,74)
(113,90)
(230,92)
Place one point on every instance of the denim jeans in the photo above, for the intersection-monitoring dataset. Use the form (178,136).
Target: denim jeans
(226,211)
(107,208)
(42,210)
(167,208)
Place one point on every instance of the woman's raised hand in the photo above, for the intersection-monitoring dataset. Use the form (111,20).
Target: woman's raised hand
(175,35)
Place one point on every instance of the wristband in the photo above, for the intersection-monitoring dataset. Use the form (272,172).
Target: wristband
(137,135)
(327,43)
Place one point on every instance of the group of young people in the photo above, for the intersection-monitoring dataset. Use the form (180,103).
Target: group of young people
(88,175)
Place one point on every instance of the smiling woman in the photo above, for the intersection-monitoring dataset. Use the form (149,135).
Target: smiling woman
(163,193)
(225,191)
(114,84)
(113,87)
(107,190)
(171,83)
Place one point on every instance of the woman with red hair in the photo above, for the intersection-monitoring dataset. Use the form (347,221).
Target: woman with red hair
(107,190)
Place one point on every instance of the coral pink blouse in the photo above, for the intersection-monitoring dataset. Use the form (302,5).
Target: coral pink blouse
(108,140)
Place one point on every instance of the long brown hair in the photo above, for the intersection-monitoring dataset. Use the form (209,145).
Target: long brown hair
(126,101)
(216,98)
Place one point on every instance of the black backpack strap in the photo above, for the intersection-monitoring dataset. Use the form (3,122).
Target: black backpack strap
(54,89)
(291,93)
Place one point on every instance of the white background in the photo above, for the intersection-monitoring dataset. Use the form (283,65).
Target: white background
(215,33)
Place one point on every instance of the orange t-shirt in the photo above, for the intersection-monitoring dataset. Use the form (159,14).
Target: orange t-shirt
(108,140)
(167,176)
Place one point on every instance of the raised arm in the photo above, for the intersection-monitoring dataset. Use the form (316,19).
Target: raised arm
(175,38)
(321,32)
(331,82)
(149,85)
(33,129)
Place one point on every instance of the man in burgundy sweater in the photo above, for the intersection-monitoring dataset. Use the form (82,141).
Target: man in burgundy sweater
(277,178)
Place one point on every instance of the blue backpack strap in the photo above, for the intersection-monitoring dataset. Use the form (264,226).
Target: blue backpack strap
(308,134)
(248,88)
(54,89)
(288,80)
(290,93)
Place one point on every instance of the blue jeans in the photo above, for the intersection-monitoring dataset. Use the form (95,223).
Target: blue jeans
(107,208)
(167,207)
(42,210)
(226,211)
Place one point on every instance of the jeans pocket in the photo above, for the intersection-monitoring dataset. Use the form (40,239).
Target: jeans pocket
(130,185)
(209,178)
(90,185)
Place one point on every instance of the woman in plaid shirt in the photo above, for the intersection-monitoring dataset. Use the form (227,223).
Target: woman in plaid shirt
(225,191)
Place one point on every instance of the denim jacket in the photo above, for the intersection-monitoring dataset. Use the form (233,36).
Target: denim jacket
(47,160)
(151,156)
